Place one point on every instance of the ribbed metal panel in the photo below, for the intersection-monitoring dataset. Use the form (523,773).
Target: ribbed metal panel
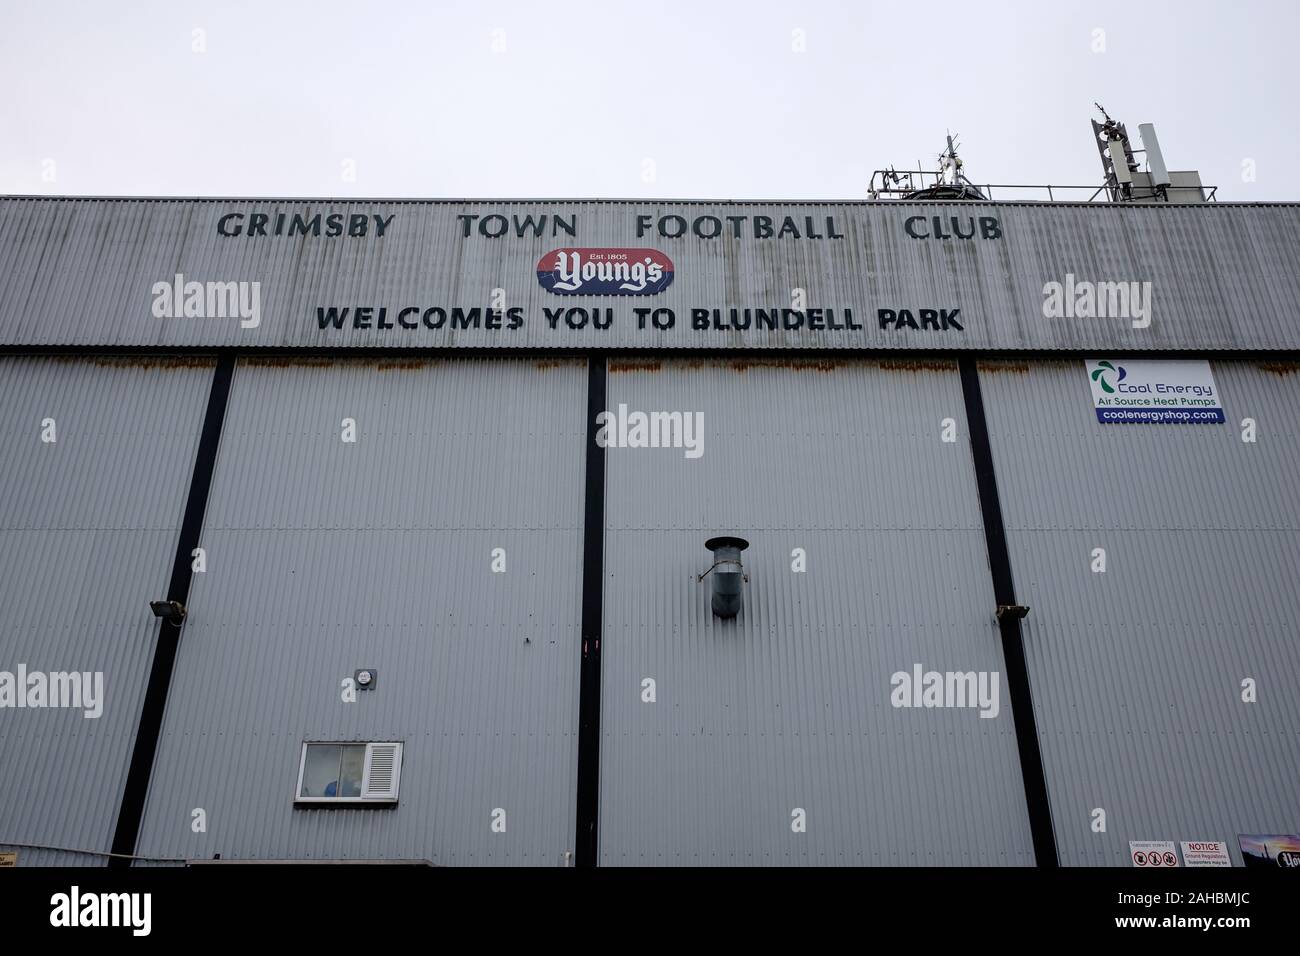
(79,272)
(88,529)
(326,557)
(1137,672)
(788,705)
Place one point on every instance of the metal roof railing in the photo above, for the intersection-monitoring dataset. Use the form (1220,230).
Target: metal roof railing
(900,184)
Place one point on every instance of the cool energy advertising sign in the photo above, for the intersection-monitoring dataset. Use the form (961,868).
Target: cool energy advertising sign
(1162,393)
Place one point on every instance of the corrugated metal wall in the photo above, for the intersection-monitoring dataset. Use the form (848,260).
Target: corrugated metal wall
(88,528)
(1137,671)
(325,557)
(788,706)
(80,272)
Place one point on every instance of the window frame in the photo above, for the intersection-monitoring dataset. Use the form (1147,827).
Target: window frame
(301,801)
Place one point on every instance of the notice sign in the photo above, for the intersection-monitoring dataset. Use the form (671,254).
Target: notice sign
(1205,853)
(1152,392)
(1152,853)
(8,859)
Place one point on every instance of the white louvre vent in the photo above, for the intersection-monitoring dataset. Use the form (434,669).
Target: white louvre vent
(382,771)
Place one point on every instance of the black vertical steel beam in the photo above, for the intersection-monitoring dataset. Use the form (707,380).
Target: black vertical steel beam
(131,812)
(1013,648)
(593,584)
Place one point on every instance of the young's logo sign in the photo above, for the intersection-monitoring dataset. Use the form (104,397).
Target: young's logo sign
(605,271)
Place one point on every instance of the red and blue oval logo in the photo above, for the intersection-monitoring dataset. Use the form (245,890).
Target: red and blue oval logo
(605,271)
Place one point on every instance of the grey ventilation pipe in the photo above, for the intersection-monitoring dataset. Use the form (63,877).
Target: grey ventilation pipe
(728,574)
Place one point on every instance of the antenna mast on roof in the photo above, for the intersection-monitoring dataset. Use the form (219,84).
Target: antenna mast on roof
(950,164)
(1116,153)
(947,182)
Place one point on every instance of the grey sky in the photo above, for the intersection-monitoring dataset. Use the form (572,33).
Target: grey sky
(585,93)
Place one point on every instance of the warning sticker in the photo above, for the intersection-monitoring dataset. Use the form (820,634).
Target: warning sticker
(1152,853)
(1205,853)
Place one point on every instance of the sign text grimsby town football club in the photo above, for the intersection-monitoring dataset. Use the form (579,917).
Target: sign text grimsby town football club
(615,271)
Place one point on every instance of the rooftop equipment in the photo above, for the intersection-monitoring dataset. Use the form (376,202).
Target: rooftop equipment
(1124,178)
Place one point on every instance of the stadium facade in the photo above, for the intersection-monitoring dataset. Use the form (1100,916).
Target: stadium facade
(288,483)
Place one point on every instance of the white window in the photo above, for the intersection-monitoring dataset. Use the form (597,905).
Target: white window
(349,773)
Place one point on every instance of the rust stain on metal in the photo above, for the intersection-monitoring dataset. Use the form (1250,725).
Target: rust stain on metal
(1004,368)
(288,361)
(1280,369)
(163,362)
(794,365)
(635,365)
(385,364)
(546,364)
(916,365)
(735,365)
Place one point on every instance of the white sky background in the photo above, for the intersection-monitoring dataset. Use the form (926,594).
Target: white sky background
(584,93)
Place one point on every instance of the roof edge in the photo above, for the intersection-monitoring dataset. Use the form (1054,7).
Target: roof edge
(434,201)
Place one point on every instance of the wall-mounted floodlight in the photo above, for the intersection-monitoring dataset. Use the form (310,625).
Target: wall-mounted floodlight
(1015,612)
(728,574)
(173,612)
